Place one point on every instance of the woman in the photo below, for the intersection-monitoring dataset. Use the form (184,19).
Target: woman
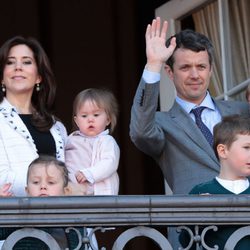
(27,127)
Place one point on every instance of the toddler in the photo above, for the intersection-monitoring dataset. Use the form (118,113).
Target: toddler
(92,155)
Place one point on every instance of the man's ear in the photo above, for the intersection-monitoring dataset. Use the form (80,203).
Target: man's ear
(169,72)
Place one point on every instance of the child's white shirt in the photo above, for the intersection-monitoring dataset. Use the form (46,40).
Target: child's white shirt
(236,187)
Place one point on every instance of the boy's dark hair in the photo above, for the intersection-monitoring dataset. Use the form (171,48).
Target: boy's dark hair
(226,131)
(192,40)
(48,160)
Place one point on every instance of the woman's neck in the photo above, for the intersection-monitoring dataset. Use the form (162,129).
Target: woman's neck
(22,104)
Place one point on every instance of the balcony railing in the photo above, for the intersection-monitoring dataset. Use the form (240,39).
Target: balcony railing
(139,215)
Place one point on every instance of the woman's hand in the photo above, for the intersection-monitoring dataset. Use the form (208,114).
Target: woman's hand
(5,190)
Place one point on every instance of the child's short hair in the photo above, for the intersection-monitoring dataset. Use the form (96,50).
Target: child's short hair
(103,98)
(226,131)
(47,160)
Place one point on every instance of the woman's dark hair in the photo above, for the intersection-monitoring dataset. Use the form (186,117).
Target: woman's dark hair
(43,100)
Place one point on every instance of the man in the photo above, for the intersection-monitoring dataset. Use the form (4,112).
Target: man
(173,138)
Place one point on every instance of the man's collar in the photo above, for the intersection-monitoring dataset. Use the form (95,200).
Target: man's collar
(188,106)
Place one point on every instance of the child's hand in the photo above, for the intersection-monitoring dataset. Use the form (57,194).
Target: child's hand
(80,177)
(76,189)
(5,190)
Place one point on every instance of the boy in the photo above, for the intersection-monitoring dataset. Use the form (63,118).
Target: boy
(46,176)
(232,148)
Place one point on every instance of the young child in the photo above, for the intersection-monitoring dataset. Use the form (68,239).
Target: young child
(232,148)
(92,155)
(46,176)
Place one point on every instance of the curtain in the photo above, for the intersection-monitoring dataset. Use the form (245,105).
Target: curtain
(239,25)
(206,21)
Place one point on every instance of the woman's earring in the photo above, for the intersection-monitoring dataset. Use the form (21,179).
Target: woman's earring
(37,87)
(3,88)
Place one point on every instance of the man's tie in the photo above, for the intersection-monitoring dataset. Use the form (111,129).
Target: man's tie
(204,129)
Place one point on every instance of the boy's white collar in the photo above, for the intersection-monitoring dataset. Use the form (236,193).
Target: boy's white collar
(235,187)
